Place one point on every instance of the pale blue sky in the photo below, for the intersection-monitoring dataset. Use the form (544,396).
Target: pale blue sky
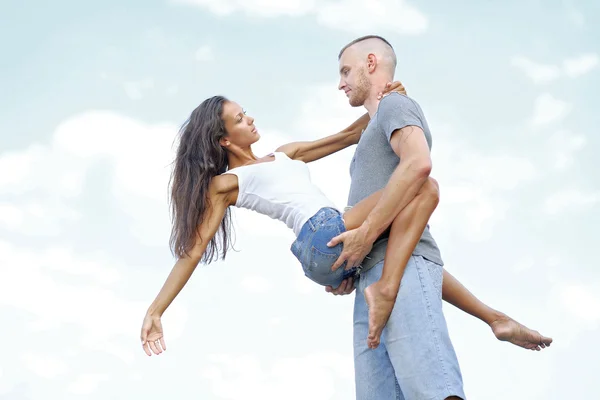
(91,101)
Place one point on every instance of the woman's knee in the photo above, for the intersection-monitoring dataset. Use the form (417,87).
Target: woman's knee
(431,190)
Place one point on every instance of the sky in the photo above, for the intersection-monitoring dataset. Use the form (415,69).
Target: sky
(93,94)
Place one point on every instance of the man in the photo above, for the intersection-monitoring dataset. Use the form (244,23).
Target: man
(410,357)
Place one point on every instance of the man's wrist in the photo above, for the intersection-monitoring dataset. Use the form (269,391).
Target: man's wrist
(370,233)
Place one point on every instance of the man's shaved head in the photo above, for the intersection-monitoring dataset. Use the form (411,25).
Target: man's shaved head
(373,44)
(365,65)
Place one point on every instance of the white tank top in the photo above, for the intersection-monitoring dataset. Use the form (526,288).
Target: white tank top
(281,189)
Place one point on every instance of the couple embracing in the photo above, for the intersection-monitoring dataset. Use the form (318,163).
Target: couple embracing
(379,246)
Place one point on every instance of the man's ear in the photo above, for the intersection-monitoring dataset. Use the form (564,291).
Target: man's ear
(371,63)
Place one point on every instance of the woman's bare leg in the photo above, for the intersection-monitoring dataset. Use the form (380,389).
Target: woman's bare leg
(504,327)
(405,233)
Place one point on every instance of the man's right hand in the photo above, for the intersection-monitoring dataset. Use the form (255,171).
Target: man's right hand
(346,287)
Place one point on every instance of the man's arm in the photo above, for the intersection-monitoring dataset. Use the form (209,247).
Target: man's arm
(400,120)
(399,117)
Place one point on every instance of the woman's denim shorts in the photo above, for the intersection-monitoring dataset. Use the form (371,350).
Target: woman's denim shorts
(310,248)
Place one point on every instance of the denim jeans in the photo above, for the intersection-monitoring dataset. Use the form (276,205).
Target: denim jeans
(415,359)
(310,248)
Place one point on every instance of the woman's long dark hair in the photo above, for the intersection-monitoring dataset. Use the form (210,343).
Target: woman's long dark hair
(199,158)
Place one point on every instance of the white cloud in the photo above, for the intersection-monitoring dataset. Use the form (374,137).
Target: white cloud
(141,155)
(4,386)
(564,146)
(136,90)
(205,53)
(549,110)
(256,284)
(10,215)
(137,376)
(581,65)
(47,178)
(36,217)
(570,199)
(256,8)
(525,264)
(34,170)
(356,16)
(50,297)
(303,285)
(172,90)
(471,203)
(575,16)
(347,15)
(86,384)
(236,377)
(582,302)
(539,73)
(63,260)
(545,73)
(45,366)
(326,111)
(474,211)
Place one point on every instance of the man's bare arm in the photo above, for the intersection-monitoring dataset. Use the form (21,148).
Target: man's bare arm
(410,145)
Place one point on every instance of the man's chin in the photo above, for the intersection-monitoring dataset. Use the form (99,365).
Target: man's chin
(355,103)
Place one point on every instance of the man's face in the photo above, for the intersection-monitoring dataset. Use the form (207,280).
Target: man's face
(353,78)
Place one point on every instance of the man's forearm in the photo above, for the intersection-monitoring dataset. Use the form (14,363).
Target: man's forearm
(401,189)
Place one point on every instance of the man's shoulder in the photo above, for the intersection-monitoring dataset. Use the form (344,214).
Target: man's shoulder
(396,98)
(395,102)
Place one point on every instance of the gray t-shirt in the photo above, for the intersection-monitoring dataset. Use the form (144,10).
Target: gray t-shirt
(374,161)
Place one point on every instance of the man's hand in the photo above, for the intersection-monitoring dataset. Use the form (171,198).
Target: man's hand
(356,246)
(346,287)
(390,87)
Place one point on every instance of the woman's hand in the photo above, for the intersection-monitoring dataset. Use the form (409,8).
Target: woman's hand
(390,87)
(152,335)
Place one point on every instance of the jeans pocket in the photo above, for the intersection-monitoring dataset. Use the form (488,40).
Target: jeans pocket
(320,262)
(318,267)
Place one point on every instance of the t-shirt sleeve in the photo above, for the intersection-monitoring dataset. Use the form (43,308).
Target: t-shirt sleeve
(397,111)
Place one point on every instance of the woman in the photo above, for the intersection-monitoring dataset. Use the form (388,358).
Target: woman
(215,168)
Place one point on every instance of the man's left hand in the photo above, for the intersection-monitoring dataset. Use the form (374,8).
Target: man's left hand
(346,287)
(356,246)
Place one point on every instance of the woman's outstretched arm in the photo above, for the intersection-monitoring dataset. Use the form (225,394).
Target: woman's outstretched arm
(152,335)
(309,151)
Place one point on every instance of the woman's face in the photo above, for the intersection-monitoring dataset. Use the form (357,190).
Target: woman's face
(240,128)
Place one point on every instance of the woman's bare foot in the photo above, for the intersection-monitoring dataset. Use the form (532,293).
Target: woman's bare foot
(508,330)
(380,300)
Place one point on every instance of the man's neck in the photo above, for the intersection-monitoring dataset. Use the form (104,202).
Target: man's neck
(371,105)
(372,102)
